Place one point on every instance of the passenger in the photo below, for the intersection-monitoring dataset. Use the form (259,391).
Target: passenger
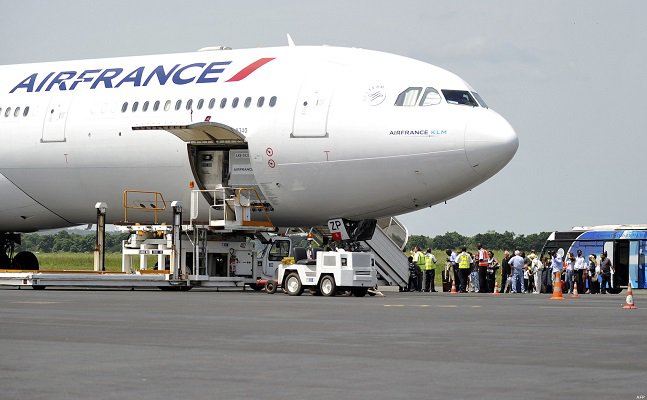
(580,269)
(413,275)
(473,285)
(537,268)
(430,271)
(517,264)
(464,263)
(453,258)
(556,265)
(605,272)
(482,269)
(570,264)
(505,272)
(493,265)
(594,287)
(526,271)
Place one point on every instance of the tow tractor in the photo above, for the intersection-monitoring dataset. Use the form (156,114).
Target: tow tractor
(330,272)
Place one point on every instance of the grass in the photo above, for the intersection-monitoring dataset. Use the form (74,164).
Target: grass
(81,261)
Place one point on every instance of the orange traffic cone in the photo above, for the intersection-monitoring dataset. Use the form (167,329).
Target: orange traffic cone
(557,288)
(629,305)
(496,289)
(575,294)
(453,291)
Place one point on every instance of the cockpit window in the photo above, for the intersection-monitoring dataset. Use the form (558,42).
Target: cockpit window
(430,98)
(409,97)
(459,97)
(480,100)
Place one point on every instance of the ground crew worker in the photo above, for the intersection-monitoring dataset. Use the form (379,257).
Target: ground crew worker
(430,271)
(419,259)
(482,268)
(464,262)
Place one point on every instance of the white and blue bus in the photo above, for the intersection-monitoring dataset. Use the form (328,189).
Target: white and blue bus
(625,245)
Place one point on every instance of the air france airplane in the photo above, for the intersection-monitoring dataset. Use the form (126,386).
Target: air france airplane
(321,132)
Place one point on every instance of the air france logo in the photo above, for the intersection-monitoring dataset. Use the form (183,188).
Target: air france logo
(112,78)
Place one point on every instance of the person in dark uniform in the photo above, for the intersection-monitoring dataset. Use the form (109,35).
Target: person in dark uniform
(414,271)
(605,272)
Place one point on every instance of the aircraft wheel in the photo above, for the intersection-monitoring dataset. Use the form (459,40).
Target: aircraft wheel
(25,260)
(327,286)
(270,287)
(359,292)
(293,285)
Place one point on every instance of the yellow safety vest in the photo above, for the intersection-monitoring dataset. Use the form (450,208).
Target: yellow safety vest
(421,260)
(429,263)
(464,260)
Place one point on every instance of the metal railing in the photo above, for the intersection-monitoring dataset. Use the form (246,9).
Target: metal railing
(146,201)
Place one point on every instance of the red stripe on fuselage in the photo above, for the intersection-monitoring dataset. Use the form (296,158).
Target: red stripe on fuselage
(244,73)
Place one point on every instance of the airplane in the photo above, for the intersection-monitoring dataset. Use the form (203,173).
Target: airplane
(321,132)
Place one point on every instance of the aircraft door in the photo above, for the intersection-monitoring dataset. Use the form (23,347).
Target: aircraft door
(313,104)
(55,120)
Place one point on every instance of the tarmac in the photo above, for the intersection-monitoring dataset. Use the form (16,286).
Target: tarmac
(148,344)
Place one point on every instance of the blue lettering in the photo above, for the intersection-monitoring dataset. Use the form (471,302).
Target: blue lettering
(84,78)
(135,77)
(210,70)
(178,80)
(106,77)
(27,83)
(161,75)
(42,84)
(60,80)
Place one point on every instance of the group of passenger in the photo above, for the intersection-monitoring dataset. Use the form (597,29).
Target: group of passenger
(519,273)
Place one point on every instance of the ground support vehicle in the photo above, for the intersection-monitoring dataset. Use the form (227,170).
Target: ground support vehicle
(331,272)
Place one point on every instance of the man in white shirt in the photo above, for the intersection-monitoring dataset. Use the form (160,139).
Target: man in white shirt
(580,266)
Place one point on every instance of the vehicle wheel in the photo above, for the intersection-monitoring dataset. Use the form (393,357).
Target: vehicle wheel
(270,287)
(38,287)
(327,286)
(25,260)
(293,285)
(255,287)
(359,291)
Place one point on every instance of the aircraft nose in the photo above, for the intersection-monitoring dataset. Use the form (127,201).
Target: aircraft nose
(490,143)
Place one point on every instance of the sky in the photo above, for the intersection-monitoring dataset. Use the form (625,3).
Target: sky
(569,76)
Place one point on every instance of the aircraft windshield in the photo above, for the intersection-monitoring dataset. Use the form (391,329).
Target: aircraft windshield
(462,97)
(480,100)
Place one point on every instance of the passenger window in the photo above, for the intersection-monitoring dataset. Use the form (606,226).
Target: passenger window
(189,104)
(234,102)
(212,103)
(167,105)
(124,107)
(0,110)
(200,104)
(223,102)
(16,112)
(430,98)
(145,106)
(135,105)
(24,114)
(8,112)
(156,105)
(462,97)
(279,250)
(260,101)
(409,97)
(272,101)
(248,101)
(178,105)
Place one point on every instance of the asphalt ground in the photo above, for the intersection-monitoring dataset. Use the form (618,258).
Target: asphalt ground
(103,344)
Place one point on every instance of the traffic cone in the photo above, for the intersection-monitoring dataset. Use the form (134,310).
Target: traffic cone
(557,288)
(453,291)
(496,289)
(629,305)
(575,294)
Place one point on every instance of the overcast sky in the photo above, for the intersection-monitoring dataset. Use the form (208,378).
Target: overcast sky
(569,76)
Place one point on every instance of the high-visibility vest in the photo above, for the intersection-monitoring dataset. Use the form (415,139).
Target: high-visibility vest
(421,260)
(429,262)
(483,256)
(464,260)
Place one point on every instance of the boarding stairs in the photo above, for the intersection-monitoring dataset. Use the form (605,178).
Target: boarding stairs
(387,244)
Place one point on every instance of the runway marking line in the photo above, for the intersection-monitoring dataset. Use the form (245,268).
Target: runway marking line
(35,302)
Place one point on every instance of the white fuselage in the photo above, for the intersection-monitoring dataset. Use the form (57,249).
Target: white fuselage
(330,132)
